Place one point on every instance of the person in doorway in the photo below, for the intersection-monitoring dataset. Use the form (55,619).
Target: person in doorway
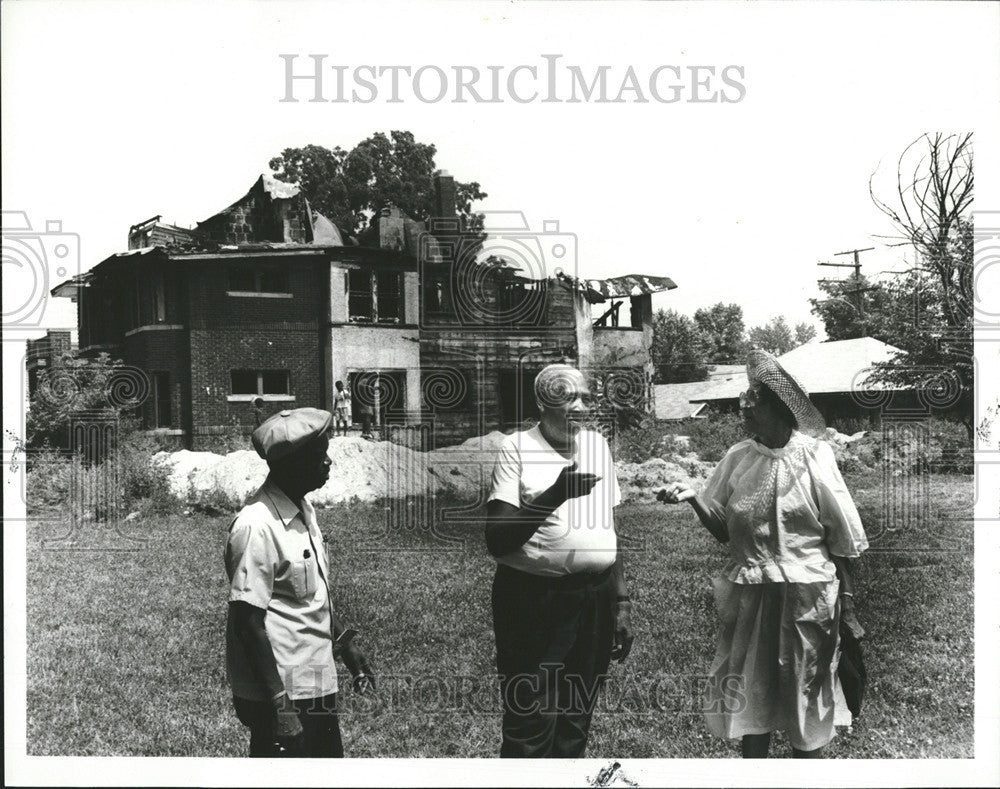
(561,611)
(282,635)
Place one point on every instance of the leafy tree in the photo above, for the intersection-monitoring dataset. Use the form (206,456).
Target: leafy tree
(775,336)
(839,309)
(724,331)
(351,187)
(74,386)
(804,332)
(891,308)
(680,349)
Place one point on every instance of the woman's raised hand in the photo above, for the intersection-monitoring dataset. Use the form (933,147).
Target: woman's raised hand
(675,493)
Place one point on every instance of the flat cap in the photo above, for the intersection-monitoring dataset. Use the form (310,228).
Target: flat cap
(283,433)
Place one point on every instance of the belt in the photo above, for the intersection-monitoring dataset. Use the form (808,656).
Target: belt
(568,581)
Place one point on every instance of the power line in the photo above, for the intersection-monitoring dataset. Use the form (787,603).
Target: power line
(856,265)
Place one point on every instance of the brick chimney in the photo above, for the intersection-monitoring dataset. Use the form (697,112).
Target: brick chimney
(445,195)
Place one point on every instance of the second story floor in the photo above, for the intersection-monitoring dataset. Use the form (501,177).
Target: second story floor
(268,260)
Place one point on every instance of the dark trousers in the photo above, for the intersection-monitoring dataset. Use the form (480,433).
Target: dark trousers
(320,728)
(554,639)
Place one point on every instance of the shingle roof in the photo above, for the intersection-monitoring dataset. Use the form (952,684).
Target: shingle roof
(672,401)
(836,367)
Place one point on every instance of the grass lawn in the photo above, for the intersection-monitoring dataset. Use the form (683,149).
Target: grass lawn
(126,648)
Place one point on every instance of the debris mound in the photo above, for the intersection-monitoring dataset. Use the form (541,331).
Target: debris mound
(366,471)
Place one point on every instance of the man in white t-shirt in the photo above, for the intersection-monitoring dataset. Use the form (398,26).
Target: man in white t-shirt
(560,609)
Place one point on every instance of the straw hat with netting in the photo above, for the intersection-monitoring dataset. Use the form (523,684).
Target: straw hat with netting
(762,367)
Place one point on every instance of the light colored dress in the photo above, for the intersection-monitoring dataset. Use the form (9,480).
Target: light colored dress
(787,511)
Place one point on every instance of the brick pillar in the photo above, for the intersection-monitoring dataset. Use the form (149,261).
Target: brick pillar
(445,194)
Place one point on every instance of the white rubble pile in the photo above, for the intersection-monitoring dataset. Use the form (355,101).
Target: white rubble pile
(365,471)
(641,481)
(842,439)
(361,471)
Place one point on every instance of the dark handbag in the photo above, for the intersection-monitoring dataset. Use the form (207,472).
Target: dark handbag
(851,671)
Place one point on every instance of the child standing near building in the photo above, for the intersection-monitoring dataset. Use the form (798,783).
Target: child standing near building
(341,408)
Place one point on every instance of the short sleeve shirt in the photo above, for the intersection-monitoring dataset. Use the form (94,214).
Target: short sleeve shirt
(579,536)
(787,511)
(276,560)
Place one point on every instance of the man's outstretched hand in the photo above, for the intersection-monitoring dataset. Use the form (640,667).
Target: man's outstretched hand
(571,484)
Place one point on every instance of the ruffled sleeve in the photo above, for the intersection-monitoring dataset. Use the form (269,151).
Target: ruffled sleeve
(844,534)
(719,487)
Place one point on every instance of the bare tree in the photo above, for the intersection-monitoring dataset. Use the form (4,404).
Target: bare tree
(934,190)
(931,212)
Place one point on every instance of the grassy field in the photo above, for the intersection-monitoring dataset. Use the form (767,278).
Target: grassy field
(126,655)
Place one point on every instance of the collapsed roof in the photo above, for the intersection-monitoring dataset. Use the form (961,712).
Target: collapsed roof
(274,215)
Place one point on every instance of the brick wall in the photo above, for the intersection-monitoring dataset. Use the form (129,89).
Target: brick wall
(491,361)
(210,306)
(254,333)
(215,352)
(166,351)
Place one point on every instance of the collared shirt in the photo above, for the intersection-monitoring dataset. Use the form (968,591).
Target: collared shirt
(579,535)
(787,511)
(276,560)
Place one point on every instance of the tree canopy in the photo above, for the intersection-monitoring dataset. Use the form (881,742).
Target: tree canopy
(724,331)
(680,350)
(685,349)
(351,187)
(777,337)
(76,386)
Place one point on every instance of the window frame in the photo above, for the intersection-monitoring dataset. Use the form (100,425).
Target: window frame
(259,374)
(371,291)
(257,272)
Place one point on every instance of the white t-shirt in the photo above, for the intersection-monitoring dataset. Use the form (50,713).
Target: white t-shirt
(579,536)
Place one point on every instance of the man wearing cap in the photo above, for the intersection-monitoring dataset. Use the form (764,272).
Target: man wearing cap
(560,608)
(281,632)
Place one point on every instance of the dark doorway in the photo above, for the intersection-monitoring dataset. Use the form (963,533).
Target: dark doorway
(384,392)
(516,390)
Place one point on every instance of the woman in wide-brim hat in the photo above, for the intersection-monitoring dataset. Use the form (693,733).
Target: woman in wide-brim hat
(779,502)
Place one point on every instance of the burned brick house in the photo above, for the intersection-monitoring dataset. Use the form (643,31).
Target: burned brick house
(267,301)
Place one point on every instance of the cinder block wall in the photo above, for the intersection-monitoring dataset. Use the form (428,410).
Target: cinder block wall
(259,217)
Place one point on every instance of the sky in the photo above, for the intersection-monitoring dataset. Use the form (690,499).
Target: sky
(115,112)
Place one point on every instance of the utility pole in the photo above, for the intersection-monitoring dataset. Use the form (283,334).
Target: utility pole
(856,265)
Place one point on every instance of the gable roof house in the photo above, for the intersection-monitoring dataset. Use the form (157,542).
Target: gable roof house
(836,375)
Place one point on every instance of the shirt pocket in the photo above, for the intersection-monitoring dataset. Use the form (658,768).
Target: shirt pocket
(302,576)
